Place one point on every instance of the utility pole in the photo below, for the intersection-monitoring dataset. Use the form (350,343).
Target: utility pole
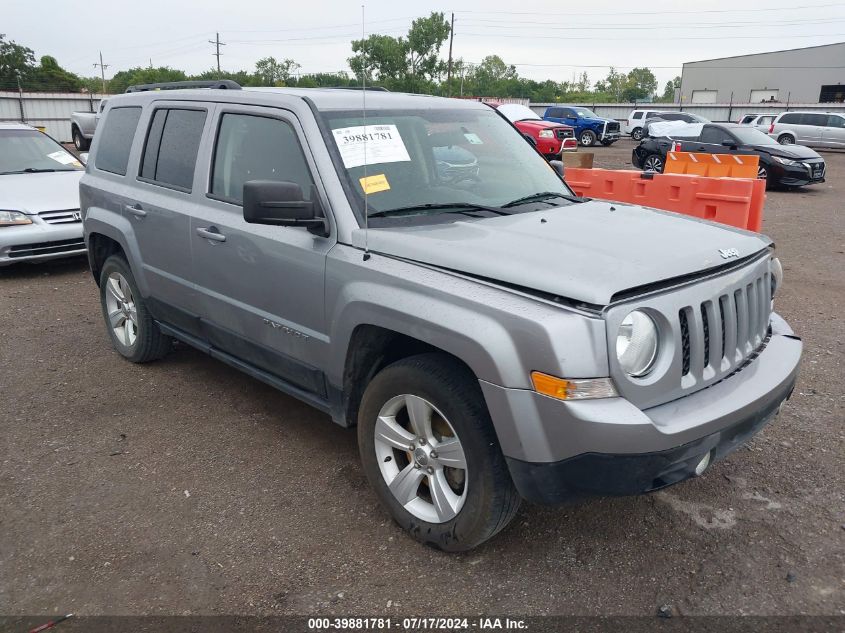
(217,54)
(449,67)
(102,70)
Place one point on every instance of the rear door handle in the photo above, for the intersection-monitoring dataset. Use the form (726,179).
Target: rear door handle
(136,210)
(211,233)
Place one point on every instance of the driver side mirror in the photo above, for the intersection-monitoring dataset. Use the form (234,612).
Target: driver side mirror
(729,143)
(280,203)
(83,158)
(557,166)
(530,139)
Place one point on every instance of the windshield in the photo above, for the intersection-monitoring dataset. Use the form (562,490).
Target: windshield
(23,151)
(752,136)
(516,112)
(438,157)
(584,113)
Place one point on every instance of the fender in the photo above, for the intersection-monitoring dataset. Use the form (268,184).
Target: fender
(118,228)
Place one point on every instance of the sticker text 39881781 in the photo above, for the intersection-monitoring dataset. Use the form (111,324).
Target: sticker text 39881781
(379,143)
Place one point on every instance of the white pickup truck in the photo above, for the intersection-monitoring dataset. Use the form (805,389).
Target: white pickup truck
(83,125)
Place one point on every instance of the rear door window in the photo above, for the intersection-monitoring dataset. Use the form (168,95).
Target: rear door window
(814,119)
(116,136)
(170,154)
(834,120)
(714,136)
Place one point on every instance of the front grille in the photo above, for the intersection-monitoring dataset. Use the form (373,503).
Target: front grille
(742,314)
(46,248)
(66,216)
(613,126)
(565,133)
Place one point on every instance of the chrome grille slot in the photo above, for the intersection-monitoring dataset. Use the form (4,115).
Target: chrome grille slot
(65,216)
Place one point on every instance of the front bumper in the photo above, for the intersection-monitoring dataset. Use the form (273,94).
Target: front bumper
(797,176)
(40,241)
(558,451)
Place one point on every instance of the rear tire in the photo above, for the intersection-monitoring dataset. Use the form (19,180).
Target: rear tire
(430,402)
(786,139)
(637,134)
(80,142)
(129,323)
(654,163)
(588,138)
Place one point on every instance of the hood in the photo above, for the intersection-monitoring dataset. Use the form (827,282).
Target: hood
(539,124)
(585,252)
(34,193)
(788,151)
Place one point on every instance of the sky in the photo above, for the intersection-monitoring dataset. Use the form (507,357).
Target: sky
(545,39)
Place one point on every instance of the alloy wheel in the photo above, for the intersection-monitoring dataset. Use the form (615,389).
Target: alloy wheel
(120,305)
(421,458)
(653,163)
(762,174)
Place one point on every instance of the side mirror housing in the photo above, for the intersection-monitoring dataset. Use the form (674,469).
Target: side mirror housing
(529,138)
(729,143)
(281,203)
(83,158)
(557,166)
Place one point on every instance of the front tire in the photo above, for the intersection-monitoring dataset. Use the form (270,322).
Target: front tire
(637,134)
(129,323)
(80,142)
(588,138)
(429,450)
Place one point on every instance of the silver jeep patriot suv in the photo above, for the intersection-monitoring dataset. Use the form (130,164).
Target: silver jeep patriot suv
(410,265)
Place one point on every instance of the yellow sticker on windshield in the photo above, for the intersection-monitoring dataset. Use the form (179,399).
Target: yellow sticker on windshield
(374,184)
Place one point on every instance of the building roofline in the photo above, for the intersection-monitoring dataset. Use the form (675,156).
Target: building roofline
(785,50)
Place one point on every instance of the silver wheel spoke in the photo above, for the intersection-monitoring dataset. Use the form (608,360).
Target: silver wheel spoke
(406,484)
(125,333)
(124,288)
(116,318)
(450,453)
(419,413)
(389,432)
(115,289)
(445,500)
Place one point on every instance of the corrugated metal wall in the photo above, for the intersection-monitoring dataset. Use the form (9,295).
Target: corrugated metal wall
(713,111)
(47,110)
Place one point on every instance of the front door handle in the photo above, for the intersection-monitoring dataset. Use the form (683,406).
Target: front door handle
(136,210)
(211,233)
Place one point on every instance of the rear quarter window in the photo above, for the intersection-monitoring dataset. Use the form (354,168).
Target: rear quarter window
(637,115)
(116,136)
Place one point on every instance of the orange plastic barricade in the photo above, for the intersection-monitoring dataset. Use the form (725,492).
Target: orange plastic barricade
(711,165)
(734,201)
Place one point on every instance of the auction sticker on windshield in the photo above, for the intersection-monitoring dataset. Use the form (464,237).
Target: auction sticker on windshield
(379,143)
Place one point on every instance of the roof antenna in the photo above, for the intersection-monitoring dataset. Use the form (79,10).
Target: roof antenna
(364,117)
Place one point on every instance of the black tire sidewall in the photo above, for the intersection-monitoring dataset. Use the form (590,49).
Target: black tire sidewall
(591,135)
(473,426)
(656,171)
(786,136)
(637,134)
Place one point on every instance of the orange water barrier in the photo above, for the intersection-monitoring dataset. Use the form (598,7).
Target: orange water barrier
(734,201)
(712,165)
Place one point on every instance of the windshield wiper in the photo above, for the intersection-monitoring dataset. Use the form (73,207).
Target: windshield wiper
(34,170)
(445,207)
(541,197)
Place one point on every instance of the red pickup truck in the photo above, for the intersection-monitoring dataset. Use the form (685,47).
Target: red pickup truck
(551,138)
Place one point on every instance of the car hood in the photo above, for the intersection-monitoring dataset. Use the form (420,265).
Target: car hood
(538,124)
(788,151)
(586,252)
(34,193)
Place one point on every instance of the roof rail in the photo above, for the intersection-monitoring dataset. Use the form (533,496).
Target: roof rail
(220,84)
(368,88)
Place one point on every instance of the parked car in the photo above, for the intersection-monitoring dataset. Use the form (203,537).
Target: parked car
(551,138)
(39,197)
(634,124)
(83,125)
(492,339)
(783,166)
(686,117)
(813,129)
(762,122)
(589,127)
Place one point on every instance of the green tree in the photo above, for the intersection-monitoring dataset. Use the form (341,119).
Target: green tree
(48,75)
(274,72)
(16,61)
(379,59)
(613,85)
(640,83)
(669,90)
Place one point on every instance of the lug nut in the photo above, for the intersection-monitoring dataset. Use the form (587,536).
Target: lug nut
(434,454)
(417,466)
(422,441)
(430,470)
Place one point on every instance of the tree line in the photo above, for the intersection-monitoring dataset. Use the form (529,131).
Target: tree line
(410,63)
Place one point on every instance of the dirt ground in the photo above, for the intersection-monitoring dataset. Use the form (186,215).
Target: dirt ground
(185,487)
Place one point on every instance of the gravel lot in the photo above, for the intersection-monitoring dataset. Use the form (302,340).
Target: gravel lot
(184,486)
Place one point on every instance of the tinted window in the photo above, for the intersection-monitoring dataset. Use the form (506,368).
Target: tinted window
(256,148)
(748,118)
(835,121)
(115,142)
(637,115)
(173,141)
(813,119)
(674,116)
(792,118)
(555,112)
(714,135)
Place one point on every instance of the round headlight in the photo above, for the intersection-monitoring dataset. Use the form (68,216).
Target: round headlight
(636,343)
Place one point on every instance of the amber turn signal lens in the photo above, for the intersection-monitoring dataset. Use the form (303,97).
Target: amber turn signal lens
(574,388)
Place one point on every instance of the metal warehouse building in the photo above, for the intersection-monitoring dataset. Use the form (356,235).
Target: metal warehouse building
(800,75)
